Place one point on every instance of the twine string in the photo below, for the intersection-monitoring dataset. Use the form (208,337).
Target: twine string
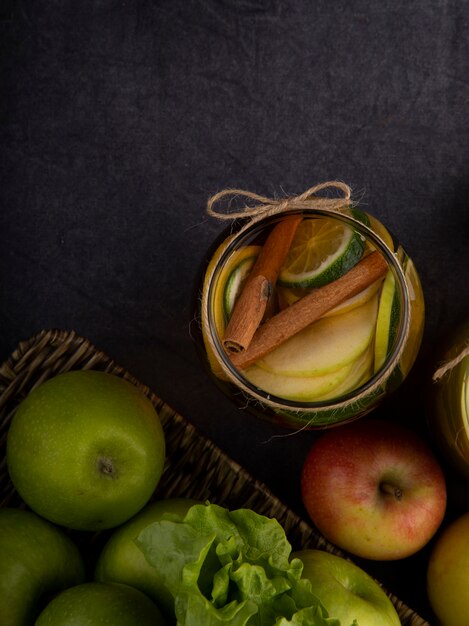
(451,364)
(263,206)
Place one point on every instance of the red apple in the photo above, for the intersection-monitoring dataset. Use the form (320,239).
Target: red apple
(374,488)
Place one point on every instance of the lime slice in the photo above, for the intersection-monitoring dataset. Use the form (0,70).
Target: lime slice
(357,213)
(235,283)
(229,283)
(322,250)
(218,297)
(387,321)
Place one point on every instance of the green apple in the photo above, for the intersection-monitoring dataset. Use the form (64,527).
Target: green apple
(325,346)
(448,573)
(37,559)
(86,450)
(346,591)
(101,604)
(122,561)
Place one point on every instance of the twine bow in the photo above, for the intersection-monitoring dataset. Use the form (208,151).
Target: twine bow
(264,206)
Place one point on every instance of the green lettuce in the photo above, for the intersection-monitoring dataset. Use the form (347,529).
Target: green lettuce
(231,567)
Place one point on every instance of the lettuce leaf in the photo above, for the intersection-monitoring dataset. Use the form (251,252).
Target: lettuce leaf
(231,567)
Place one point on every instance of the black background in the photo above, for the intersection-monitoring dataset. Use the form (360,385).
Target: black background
(120,118)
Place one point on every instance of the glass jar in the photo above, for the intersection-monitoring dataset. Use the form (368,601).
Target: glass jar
(346,398)
(448,404)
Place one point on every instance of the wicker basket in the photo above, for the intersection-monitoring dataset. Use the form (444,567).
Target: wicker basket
(196,468)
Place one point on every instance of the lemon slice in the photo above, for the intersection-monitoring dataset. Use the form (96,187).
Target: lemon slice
(387,320)
(322,250)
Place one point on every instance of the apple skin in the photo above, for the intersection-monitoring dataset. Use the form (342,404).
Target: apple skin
(101,604)
(448,574)
(374,488)
(37,559)
(121,561)
(347,592)
(86,450)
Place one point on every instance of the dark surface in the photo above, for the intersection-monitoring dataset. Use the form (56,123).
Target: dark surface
(119,120)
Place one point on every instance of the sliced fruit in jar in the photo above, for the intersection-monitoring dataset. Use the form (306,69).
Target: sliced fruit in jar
(326,345)
(362,370)
(218,312)
(289,295)
(301,388)
(417,316)
(322,250)
(382,232)
(356,301)
(387,321)
(237,278)
(313,388)
(230,282)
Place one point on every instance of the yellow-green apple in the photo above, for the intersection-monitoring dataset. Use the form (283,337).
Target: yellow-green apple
(347,591)
(37,559)
(374,488)
(448,574)
(121,561)
(86,450)
(101,604)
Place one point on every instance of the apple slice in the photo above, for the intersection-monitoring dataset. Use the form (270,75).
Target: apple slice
(325,346)
(361,371)
(387,321)
(300,388)
(314,388)
(355,301)
(289,295)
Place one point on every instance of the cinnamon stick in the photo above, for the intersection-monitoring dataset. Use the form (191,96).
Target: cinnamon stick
(252,302)
(310,308)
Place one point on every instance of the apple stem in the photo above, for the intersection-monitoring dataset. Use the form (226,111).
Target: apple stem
(391,490)
(106,466)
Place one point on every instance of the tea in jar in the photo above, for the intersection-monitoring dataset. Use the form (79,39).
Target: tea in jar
(311,315)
